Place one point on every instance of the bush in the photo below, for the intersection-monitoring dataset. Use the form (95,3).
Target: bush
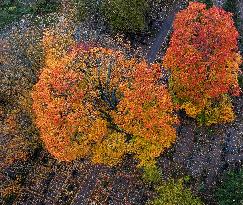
(204,62)
(88,103)
(231,189)
(174,193)
(152,174)
(126,15)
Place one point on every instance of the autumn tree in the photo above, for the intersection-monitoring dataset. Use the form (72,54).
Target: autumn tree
(204,62)
(95,102)
(146,112)
(64,113)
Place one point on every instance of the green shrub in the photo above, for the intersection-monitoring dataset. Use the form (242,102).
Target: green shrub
(152,174)
(230,191)
(174,193)
(126,15)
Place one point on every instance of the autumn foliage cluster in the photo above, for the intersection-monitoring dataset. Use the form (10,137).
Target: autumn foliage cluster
(99,103)
(204,63)
(95,102)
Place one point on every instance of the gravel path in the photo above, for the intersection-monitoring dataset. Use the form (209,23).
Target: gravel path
(163,33)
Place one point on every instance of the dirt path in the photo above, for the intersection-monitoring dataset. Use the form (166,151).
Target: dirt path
(163,33)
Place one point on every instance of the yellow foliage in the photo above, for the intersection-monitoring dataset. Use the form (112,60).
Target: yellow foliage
(111,150)
(191,109)
(222,113)
(146,150)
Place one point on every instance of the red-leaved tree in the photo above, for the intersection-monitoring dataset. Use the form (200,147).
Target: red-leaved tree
(204,62)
